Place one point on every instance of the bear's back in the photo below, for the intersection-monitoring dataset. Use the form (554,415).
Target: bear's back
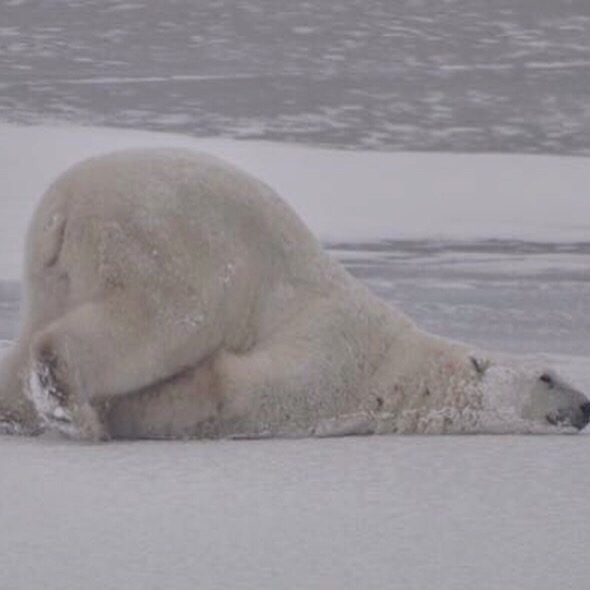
(170,221)
(145,187)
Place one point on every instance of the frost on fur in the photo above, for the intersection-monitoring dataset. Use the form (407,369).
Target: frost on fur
(79,423)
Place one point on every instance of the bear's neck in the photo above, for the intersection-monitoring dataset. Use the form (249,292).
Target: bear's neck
(422,381)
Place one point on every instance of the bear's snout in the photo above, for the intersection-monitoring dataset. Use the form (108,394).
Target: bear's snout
(585,409)
(578,417)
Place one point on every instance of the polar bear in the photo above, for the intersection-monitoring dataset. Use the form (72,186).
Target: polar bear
(168,295)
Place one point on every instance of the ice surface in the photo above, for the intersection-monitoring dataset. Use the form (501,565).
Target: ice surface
(499,76)
(453,513)
(405,513)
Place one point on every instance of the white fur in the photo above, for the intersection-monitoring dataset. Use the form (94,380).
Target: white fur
(169,294)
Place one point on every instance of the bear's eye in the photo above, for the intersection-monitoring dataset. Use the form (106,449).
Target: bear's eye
(480,365)
(546,378)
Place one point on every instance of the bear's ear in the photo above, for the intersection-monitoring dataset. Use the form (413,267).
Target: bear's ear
(480,364)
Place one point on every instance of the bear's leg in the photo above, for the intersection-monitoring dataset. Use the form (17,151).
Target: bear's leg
(289,385)
(100,350)
(188,405)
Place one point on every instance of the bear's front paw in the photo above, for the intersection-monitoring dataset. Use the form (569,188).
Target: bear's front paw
(49,396)
(57,410)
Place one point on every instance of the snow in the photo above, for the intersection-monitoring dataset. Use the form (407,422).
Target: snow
(458,513)
(410,513)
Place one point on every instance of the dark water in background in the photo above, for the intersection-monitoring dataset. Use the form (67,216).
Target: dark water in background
(458,75)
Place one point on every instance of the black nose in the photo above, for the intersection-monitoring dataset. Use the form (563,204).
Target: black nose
(586,411)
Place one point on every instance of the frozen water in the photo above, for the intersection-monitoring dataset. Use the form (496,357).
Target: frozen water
(459,75)
(510,295)
(451,513)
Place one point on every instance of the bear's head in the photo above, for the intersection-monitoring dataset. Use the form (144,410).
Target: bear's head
(527,398)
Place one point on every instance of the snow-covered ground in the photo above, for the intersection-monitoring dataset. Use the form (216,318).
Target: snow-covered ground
(407,513)
(495,249)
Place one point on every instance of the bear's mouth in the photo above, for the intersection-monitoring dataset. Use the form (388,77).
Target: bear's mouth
(558,418)
(570,418)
